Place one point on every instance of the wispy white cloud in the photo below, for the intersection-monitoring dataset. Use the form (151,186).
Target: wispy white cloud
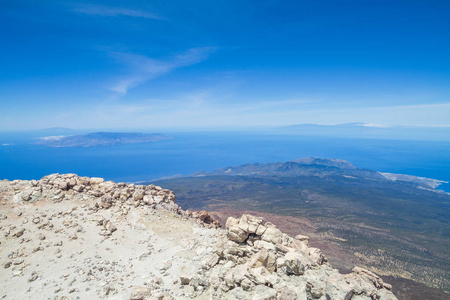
(142,68)
(105,11)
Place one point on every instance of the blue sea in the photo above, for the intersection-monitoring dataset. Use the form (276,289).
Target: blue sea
(189,152)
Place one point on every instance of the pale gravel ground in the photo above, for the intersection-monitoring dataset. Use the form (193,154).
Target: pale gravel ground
(146,241)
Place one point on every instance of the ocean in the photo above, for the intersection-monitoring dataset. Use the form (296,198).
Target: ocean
(189,152)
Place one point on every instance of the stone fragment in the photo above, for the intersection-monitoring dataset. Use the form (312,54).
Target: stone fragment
(166,266)
(110,226)
(303,238)
(99,220)
(95,193)
(264,293)
(140,293)
(317,256)
(33,277)
(185,280)
(165,296)
(264,259)
(260,276)
(17,273)
(78,188)
(283,249)
(287,294)
(212,261)
(26,195)
(349,295)
(370,276)
(247,284)
(19,232)
(18,261)
(204,217)
(106,201)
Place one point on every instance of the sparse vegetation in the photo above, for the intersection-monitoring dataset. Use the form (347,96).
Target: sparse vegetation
(393,228)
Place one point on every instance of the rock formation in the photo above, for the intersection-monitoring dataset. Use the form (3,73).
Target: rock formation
(71,237)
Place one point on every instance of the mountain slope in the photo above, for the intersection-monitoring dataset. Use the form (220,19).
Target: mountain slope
(397,227)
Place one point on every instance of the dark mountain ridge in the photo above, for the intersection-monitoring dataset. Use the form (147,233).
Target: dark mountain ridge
(320,167)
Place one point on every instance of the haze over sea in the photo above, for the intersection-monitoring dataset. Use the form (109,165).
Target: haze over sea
(189,152)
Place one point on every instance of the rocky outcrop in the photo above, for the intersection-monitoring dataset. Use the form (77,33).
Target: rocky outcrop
(261,262)
(72,237)
(100,194)
(204,218)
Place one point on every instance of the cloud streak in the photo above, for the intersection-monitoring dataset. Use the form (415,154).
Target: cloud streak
(105,11)
(143,68)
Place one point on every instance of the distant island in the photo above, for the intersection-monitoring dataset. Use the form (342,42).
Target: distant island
(319,167)
(369,131)
(97,139)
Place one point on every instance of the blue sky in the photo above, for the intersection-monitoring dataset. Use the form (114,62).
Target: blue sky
(223,64)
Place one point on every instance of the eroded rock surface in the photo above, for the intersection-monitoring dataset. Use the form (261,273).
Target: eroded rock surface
(71,237)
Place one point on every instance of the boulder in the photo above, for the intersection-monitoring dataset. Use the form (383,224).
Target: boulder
(303,238)
(26,195)
(106,201)
(261,229)
(148,199)
(231,222)
(317,256)
(250,223)
(96,180)
(260,276)
(296,263)
(72,182)
(263,259)
(236,234)
(204,217)
(265,245)
(78,188)
(158,199)
(273,235)
(299,246)
(62,185)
